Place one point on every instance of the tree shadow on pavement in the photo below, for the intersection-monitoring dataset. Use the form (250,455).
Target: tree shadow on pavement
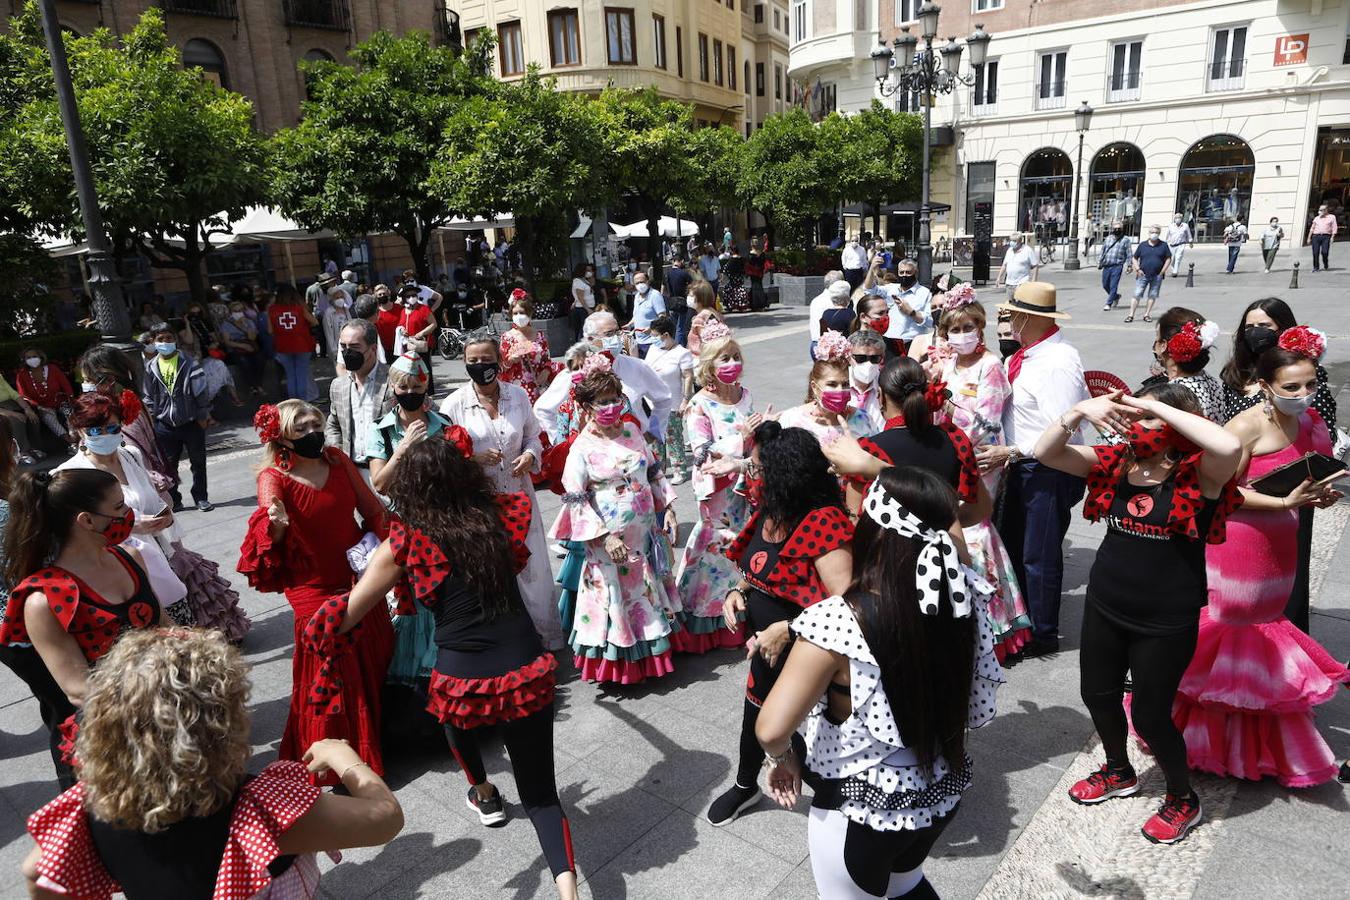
(1114,888)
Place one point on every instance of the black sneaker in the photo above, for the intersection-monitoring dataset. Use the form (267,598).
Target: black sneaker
(491,811)
(205,506)
(731,804)
(1041,647)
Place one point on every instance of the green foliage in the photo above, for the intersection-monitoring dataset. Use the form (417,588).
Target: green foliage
(876,152)
(360,160)
(714,171)
(784,174)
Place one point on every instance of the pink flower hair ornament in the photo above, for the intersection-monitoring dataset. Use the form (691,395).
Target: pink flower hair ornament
(716,330)
(596,362)
(833,346)
(957,296)
(1304,341)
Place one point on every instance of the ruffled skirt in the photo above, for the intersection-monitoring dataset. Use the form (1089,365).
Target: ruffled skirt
(705,575)
(414,648)
(213,602)
(1006,609)
(477,702)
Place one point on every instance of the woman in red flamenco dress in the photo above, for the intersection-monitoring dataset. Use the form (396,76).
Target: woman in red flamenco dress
(309,497)
(1246,702)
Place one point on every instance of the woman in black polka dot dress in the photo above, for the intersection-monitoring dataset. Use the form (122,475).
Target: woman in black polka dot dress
(888,678)
(793,552)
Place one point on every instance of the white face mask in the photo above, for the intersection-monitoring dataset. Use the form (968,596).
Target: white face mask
(520,320)
(1291,406)
(864,373)
(643,287)
(238,316)
(33,361)
(965,342)
(1153,235)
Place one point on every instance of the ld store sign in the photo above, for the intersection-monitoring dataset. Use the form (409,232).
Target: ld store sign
(1291,50)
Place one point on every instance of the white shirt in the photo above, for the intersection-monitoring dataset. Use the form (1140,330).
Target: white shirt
(819,304)
(1018,263)
(639,383)
(1178,234)
(670,365)
(513,432)
(587,292)
(1048,385)
(853,256)
(918,298)
(365,412)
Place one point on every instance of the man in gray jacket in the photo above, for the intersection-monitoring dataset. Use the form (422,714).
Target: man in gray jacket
(359,394)
(176,401)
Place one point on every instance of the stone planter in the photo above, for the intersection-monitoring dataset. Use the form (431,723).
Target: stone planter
(559,334)
(797,290)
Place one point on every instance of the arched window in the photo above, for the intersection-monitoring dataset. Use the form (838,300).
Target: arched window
(1214,185)
(317,54)
(206,56)
(1046,192)
(1116,190)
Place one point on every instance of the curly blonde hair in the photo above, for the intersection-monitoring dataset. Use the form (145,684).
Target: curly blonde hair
(290,412)
(165,731)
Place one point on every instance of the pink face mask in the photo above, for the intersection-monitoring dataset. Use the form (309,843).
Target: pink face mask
(729,373)
(835,401)
(608,414)
(578,377)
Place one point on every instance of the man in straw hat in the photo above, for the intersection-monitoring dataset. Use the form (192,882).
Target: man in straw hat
(1047,380)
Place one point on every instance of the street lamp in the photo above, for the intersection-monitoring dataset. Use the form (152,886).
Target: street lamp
(1082,119)
(900,68)
(109,307)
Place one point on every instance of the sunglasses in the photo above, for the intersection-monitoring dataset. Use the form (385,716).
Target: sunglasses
(100,430)
(867,357)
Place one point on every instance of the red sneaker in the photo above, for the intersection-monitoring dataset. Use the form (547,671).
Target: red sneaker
(1103,784)
(1173,820)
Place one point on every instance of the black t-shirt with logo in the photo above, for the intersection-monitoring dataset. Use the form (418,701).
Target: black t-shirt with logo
(1146,577)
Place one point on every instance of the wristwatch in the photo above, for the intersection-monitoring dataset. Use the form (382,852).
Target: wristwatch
(1014,455)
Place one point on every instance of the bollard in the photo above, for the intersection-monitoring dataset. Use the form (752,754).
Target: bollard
(1293,279)
(1190,275)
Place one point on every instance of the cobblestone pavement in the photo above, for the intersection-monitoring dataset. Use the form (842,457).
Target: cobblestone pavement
(637,767)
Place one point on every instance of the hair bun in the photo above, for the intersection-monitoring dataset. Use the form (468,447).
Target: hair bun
(768,431)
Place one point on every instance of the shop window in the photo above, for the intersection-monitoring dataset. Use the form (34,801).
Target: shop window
(619,37)
(659,40)
(564,38)
(1046,192)
(984,93)
(1050,83)
(1123,80)
(979,193)
(206,56)
(1116,188)
(1227,59)
(702,57)
(1331,178)
(509,49)
(1214,185)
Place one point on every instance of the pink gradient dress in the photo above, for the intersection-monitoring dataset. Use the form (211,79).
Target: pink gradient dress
(1245,704)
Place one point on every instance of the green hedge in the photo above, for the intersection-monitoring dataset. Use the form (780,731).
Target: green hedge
(63,348)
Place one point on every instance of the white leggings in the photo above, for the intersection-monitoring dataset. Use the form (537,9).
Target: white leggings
(854,862)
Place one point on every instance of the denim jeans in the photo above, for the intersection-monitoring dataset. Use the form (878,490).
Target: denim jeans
(1233,251)
(1111,282)
(682,322)
(1039,503)
(1321,244)
(1151,283)
(296,367)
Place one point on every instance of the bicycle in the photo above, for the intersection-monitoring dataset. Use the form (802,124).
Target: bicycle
(1047,244)
(450,340)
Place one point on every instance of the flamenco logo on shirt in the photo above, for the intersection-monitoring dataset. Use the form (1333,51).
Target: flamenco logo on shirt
(757,562)
(1138,507)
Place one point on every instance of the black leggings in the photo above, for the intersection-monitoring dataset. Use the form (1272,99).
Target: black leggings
(53,705)
(762,610)
(529,743)
(1156,664)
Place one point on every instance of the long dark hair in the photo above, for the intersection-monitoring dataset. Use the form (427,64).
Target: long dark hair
(450,500)
(797,475)
(926,662)
(8,459)
(1241,366)
(42,508)
(905,384)
(102,362)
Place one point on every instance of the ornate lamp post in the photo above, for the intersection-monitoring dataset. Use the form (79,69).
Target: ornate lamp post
(902,69)
(109,307)
(1082,118)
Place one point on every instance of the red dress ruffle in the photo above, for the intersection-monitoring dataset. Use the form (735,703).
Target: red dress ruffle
(795,578)
(474,702)
(624,671)
(686,641)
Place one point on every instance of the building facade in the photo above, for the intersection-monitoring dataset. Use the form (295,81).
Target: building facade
(728,63)
(254,46)
(1214,109)
(832,42)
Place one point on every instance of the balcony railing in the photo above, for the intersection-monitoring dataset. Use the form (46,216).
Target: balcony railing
(981,105)
(1051,94)
(1122,87)
(220,9)
(1226,75)
(330,14)
(448,33)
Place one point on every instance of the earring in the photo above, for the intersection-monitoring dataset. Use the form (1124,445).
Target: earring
(1267,407)
(284,459)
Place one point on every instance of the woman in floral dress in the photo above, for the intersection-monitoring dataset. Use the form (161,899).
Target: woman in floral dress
(829,396)
(524,350)
(979,390)
(616,501)
(719,420)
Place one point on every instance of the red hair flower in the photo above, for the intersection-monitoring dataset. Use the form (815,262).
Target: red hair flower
(1185,345)
(1304,341)
(131,406)
(936,394)
(456,435)
(267,421)
(518,294)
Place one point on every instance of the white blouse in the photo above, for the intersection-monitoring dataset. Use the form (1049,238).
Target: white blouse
(513,432)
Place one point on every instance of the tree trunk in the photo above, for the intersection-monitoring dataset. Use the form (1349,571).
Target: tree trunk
(418,238)
(876,220)
(525,243)
(653,214)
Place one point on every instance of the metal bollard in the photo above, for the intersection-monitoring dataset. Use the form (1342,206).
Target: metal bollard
(1293,279)
(1190,275)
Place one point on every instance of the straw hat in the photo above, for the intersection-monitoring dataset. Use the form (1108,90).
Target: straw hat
(1036,298)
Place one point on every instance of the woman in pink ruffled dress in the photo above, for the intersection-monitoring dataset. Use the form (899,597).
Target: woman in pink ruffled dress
(1246,702)
(525,355)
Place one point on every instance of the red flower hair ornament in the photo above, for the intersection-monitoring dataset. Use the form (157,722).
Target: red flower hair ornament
(131,407)
(456,435)
(1305,341)
(267,422)
(1192,340)
(518,294)
(936,394)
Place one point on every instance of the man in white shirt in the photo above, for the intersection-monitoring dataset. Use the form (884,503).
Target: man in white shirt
(1020,264)
(853,260)
(868,355)
(1179,240)
(640,383)
(910,304)
(823,301)
(1047,380)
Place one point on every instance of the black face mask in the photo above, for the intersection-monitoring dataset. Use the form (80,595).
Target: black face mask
(482,374)
(411,402)
(1117,231)
(1007,347)
(1260,339)
(353,360)
(310,446)
(908,281)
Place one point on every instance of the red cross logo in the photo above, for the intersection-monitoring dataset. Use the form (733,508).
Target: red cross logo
(287,320)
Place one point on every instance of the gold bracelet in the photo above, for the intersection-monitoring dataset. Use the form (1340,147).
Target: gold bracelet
(355,765)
